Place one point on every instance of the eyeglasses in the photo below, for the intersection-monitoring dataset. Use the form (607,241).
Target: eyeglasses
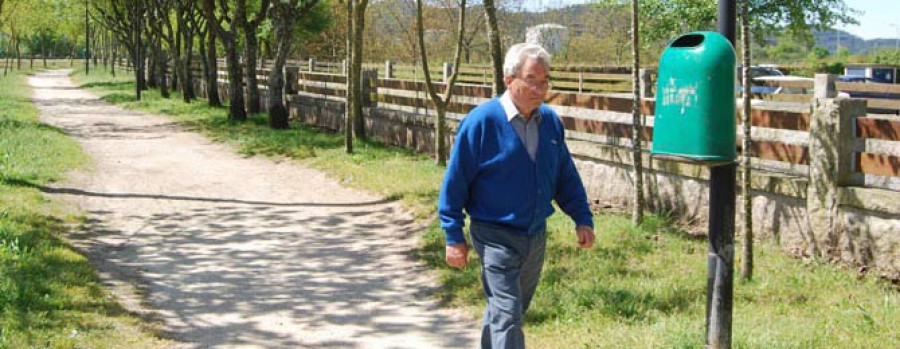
(538,84)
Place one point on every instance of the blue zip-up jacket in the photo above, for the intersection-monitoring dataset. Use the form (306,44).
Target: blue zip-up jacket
(491,175)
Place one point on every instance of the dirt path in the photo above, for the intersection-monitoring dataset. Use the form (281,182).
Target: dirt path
(225,251)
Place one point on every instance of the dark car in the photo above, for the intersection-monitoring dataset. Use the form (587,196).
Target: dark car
(758,72)
(859,79)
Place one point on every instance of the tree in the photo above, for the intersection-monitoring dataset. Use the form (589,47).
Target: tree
(207,41)
(229,38)
(440,103)
(490,15)
(637,157)
(746,126)
(356,19)
(285,14)
(126,20)
(251,49)
(186,15)
(159,11)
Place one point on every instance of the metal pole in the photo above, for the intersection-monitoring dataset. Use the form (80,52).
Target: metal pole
(722,180)
(87,39)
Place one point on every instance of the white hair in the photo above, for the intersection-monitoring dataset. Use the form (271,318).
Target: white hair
(519,53)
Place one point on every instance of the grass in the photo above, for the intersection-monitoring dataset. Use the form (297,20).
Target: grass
(50,295)
(640,287)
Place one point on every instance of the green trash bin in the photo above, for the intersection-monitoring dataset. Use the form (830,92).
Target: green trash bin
(695,100)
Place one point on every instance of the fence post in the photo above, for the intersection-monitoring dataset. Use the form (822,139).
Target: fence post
(312,65)
(388,69)
(344,67)
(832,133)
(290,81)
(581,80)
(647,82)
(369,87)
(447,71)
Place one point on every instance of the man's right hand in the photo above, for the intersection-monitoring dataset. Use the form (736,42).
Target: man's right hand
(457,255)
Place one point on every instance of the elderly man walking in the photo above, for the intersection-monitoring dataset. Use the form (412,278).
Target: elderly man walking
(508,163)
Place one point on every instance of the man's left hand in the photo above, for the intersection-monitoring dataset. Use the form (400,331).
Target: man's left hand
(585,236)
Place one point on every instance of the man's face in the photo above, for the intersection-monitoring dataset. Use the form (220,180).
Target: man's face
(529,88)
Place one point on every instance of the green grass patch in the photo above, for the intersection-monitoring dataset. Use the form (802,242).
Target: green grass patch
(640,287)
(50,295)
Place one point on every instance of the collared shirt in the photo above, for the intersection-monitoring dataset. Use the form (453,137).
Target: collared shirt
(526,128)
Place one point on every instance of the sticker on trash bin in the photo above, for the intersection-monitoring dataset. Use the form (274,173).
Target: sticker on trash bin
(684,96)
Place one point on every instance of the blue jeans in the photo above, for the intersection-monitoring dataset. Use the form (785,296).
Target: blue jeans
(510,269)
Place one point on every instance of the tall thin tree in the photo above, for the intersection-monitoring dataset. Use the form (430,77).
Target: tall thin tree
(746,197)
(490,13)
(285,15)
(215,16)
(249,23)
(354,125)
(637,159)
(440,103)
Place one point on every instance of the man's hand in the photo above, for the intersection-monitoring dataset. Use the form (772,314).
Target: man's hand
(585,236)
(457,255)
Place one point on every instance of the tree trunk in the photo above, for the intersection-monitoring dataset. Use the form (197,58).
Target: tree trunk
(211,68)
(251,46)
(490,12)
(637,213)
(359,24)
(114,52)
(161,67)
(348,115)
(236,111)
(746,197)
(278,114)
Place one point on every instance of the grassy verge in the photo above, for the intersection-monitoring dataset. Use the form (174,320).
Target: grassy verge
(641,287)
(50,295)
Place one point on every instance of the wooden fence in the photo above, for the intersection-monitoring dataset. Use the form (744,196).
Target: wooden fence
(780,136)
(793,145)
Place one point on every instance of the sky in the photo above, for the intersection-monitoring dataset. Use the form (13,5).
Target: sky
(878,18)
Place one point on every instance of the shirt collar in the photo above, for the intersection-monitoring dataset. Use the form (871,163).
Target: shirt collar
(510,108)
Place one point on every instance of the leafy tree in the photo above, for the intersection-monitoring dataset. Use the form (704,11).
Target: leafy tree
(218,18)
(249,23)
(886,56)
(126,20)
(662,20)
(285,14)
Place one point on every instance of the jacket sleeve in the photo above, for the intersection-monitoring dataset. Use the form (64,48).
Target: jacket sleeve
(461,169)
(570,194)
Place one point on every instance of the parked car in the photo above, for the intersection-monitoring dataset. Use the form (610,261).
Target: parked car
(867,94)
(755,73)
(861,79)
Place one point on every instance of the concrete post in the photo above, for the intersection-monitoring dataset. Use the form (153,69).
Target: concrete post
(832,130)
(823,86)
(447,72)
(647,82)
(388,69)
(312,65)
(369,87)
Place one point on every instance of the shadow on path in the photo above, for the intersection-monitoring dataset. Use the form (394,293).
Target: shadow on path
(227,251)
